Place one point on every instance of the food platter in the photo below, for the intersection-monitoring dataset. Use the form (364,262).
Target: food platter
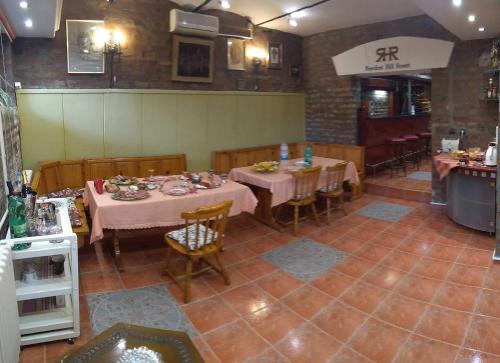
(123,180)
(177,191)
(128,195)
(266,167)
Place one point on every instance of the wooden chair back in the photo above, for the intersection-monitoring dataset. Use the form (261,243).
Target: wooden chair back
(335,178)
(306,184)
(212,217)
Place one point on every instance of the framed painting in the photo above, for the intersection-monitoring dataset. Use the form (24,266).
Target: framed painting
(85,54)
(275,51)
(193,60)
(235,54)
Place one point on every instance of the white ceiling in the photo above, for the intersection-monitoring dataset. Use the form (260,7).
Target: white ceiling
(334,14)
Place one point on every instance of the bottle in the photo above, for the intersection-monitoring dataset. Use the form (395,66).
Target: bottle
(17,216)
(308,156)
(284,154)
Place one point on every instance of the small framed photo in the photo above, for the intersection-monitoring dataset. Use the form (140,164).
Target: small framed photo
(85,54)
(235,54)
(193,60)
(275,51)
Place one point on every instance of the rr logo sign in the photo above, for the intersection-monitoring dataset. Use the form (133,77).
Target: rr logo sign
(387,54)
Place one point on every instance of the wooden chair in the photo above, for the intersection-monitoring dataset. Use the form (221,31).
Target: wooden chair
(334,188)
(201,236)
(306,184)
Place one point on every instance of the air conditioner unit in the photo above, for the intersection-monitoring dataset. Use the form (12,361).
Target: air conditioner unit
(183,22)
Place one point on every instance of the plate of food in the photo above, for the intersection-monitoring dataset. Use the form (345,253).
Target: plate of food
(123,180)
(177,191)
(129,195)
(112,188)
(266,166)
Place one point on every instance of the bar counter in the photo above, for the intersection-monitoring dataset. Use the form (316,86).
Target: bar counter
(470,193)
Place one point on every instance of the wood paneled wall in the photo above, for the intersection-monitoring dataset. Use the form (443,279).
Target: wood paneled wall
(85,124)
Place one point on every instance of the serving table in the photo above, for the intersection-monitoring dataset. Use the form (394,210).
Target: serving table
(273,189)
(471,192)
(159,210)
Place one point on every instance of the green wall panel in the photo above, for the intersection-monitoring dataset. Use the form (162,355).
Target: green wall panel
(83,125)
(74,124)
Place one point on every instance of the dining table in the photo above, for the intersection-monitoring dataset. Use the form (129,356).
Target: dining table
(160,209)
(275,188)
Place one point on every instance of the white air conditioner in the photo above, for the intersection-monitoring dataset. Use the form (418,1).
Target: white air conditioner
(183,22)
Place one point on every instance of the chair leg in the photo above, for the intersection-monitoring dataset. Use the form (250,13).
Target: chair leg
(169,256)
(227,281)
(187,281)
(296,220)
(328,206)
(315,213)
(342,204)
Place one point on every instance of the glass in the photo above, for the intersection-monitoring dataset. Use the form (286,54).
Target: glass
(151,174)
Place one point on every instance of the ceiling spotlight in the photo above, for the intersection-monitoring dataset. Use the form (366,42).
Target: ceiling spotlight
(292,22)
(481,29)
(457,3)
(225,4)
(471,18)
(28,23)
(23,4)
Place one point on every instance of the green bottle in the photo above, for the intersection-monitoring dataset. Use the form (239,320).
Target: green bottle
(308,156)
(17,216)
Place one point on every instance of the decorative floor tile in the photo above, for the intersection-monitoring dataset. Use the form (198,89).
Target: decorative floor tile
(420,175)
(386,211)
(305,259)
(151,306)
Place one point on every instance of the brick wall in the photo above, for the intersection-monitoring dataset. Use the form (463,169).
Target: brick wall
(146,60)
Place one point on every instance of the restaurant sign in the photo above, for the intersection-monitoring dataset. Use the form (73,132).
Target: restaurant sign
(399,54)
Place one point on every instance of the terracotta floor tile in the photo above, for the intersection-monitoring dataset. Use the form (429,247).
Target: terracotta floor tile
(33,354)
(384,277)
(400,260)
(339,320)
(248,298)
(372,252)
(378,223)
(418,287)
(378,341)
(457,297)
(199,290)
(388,239)
(227,342)
(442,252)
(362,236)
(475,257)
(403,230)
(100,281)
(216,282)
(205,351)
(140,276)
(133,258)
(434,269)
(306,301)
(472,356)
(484,335)
(400,311)
(482,242)
(467,275)
(364,297)
(333,282)
(255,268)
(235,254)
(418,349)
(156,255)
(308,344)
(279,283)
(90,262)
(489,303)
(347,243)
(444,324)
(493,277)
(269,356)
(354,266)
(347,355)
(327,235)
(262,245)
(451,239)
(416,247)
(274,321)
(209,314)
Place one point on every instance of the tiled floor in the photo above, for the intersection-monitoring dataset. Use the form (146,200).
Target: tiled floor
(415,186)
(420,289)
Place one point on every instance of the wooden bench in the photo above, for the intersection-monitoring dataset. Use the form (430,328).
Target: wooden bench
(225,160)
(53,176)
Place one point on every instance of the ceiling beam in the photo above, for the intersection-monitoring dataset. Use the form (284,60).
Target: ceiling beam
(6,25)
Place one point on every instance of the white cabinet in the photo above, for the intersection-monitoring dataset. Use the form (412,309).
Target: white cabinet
(48,306)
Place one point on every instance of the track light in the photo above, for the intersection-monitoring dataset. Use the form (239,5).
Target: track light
(292,22)
(457,3)
(225,4)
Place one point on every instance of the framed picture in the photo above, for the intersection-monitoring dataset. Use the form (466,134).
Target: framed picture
(294,70)
(235,54)
(193,60)
(85,54)
(275,51)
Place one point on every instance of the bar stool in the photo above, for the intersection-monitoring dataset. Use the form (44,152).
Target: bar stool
(425,139)
(398,154)
(412,150)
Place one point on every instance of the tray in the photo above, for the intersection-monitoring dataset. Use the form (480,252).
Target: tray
(128,196)
(124,180)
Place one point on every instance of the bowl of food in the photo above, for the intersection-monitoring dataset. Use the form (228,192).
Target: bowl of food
(123,180)
(266,166)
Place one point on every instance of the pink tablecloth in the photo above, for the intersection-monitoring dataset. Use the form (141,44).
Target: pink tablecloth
(281,183)
(159,210)
(444,164)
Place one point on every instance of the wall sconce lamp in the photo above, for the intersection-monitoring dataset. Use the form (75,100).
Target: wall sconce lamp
(113,50)
(257,56)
